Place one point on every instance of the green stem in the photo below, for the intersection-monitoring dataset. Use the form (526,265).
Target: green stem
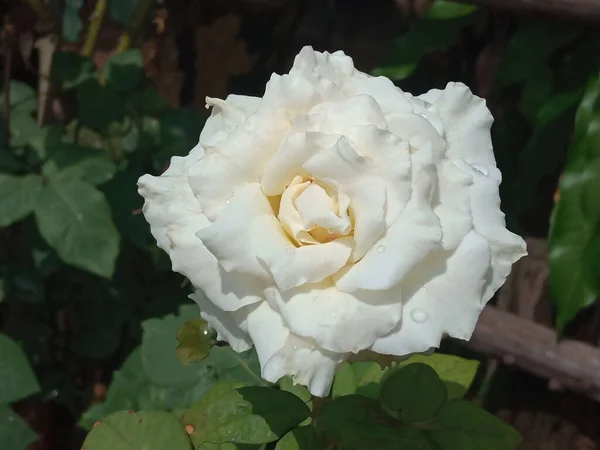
(40,8)
(133,29)
(94,28)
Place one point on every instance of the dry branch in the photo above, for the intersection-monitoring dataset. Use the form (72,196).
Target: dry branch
(588,10)
(534,348)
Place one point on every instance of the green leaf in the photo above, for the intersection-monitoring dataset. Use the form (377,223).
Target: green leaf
(74,162)
(423,37)
(301,438)
(446,9)
(358,423)
(23,128)
(17,379)
(196,338)
(415,391)
(357,378)
(23,98)
(18,197)
(530,47)
(98,106)
(9,162)
(246,415)
(537,89)
(463,425)
(159,343)
(74,219)
(575,224)
(71,22)
(456,373)
(15,434)
(70,69)
(121,193)
(122,10)
(124,71)
(150,430)
(287,384)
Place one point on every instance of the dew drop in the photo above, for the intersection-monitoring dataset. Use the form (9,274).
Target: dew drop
(290,249)
(418,315)
(380,249)
(79,216)
(481,169)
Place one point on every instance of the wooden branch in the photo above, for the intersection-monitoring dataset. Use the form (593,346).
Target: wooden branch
(534,348)
(588,10)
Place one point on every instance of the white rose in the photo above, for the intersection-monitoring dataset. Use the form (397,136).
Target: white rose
(334,215)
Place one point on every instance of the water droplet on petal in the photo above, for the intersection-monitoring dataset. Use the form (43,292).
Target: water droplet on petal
(381,249)
(481,169)
(418,315)
(290,249)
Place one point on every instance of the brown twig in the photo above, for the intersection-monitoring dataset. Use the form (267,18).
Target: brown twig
(587,10)
(532,347)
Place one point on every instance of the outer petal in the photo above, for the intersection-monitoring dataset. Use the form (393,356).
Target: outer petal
(453,203)
(305,364)
(229,165)
(281,353)
(338,321)
(467,122)
(290,266)
(357,177)
(226,116)
(225,323)
(192,259)
(444,296)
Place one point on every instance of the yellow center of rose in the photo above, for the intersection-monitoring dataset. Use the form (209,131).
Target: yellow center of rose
(311,212)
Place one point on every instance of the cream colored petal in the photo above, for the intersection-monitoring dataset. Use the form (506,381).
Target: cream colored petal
(229,237)
(316,208)
(292,266)
(444,296)
(467,122)
(286,163)
(228,291)
(409,240)
(338,321)
(392,158)
(358,178)
(305,364)
(226,116)
(453,203)
(288,214)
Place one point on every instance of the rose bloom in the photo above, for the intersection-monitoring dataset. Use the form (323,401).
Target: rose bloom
(336,215)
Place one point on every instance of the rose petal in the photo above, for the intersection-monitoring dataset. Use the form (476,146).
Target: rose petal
(468,123)
(392,157)
(453,203)
(444,296)
(290,217)
(408,241)
(338,321)
(226,116)
(316,208)
(358,178)
(290,266)
(305,364)
(229,236)
(228,291)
